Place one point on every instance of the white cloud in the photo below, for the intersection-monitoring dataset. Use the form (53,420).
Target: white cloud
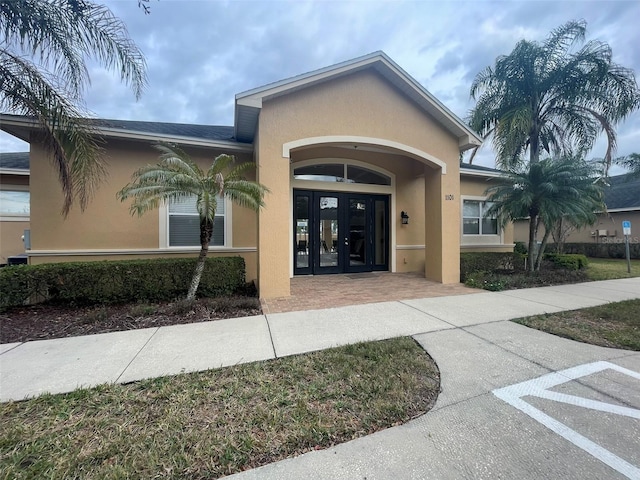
(201,53)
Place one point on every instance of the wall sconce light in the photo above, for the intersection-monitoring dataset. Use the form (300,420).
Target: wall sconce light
(405,218)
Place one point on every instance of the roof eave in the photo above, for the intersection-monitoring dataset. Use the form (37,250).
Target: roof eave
(183,140)
(27,124)
(13,171)
(468,142)
(479,173)
(623,209)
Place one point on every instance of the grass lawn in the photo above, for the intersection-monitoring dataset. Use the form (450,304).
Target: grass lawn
(611,268)
(612,325)
(214,423)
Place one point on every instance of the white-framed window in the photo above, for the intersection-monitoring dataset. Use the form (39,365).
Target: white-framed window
(14,202)
(184,223)
(475,220)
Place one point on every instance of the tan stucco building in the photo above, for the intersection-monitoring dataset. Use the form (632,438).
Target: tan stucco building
(622,201)
(346,152)
(14,205)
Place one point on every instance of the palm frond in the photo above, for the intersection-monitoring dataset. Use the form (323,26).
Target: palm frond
(71,140)
(570,96)
(177,176)
(61,33)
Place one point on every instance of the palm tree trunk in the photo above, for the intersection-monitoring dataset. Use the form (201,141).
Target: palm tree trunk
(534,154)
(197,273)
(534,137)
(557,234)
(206,231)
(533,233)
(543,245)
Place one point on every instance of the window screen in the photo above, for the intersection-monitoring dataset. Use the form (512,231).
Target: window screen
(184,223)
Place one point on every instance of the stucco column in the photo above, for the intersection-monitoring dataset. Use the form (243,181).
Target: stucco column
(442,225)
(273,222)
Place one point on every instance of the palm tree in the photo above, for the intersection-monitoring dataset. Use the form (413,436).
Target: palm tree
(177,176)
(546,192)
(630,162)
(549,98)
(43,73)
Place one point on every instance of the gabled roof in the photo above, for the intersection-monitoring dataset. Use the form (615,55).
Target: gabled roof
(203,132)
(623,193)
(189,134)
(249,103)
(14,161)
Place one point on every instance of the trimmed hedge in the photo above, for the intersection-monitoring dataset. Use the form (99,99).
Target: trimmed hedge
(108,282)
(568,261)
(472,262)
(602,250)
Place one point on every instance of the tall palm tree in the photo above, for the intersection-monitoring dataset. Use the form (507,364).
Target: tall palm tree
(177,176)
(546,97)
(44,45)
(546,192)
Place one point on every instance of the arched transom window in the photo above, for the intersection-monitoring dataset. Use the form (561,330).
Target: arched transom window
(340,172)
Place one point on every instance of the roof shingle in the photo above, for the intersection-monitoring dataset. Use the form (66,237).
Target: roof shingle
(16,160)
(206,132)
(623,192)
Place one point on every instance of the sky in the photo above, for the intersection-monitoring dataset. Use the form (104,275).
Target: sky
(200,54)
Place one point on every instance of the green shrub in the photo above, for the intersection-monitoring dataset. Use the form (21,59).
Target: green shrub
(473,262)
(504,271)
(108,282)
(604,250)
(514,280)
(520,247)
(567,261)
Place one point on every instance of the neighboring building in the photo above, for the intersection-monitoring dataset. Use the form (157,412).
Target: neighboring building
(14,203)
(344,150)
(622,199)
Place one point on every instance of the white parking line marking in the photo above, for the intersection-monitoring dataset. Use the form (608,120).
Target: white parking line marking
(588,403)
(538,387)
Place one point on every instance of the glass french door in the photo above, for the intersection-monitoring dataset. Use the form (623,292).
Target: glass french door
(340,232)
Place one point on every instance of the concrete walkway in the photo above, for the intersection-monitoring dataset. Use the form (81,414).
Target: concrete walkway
(515,402)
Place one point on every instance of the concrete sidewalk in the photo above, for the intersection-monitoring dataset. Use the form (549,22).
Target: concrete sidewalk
(62,365)
(515,402)
(473,433)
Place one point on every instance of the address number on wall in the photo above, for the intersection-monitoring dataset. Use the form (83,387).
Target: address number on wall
(448,196)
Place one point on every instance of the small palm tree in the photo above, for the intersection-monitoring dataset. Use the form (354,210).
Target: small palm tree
(549,98)
(547,192)
(44,45)
(177,176)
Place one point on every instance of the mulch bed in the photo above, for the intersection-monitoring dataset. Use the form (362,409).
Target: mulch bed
(42,322)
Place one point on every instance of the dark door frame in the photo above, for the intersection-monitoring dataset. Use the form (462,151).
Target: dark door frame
(313,247)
